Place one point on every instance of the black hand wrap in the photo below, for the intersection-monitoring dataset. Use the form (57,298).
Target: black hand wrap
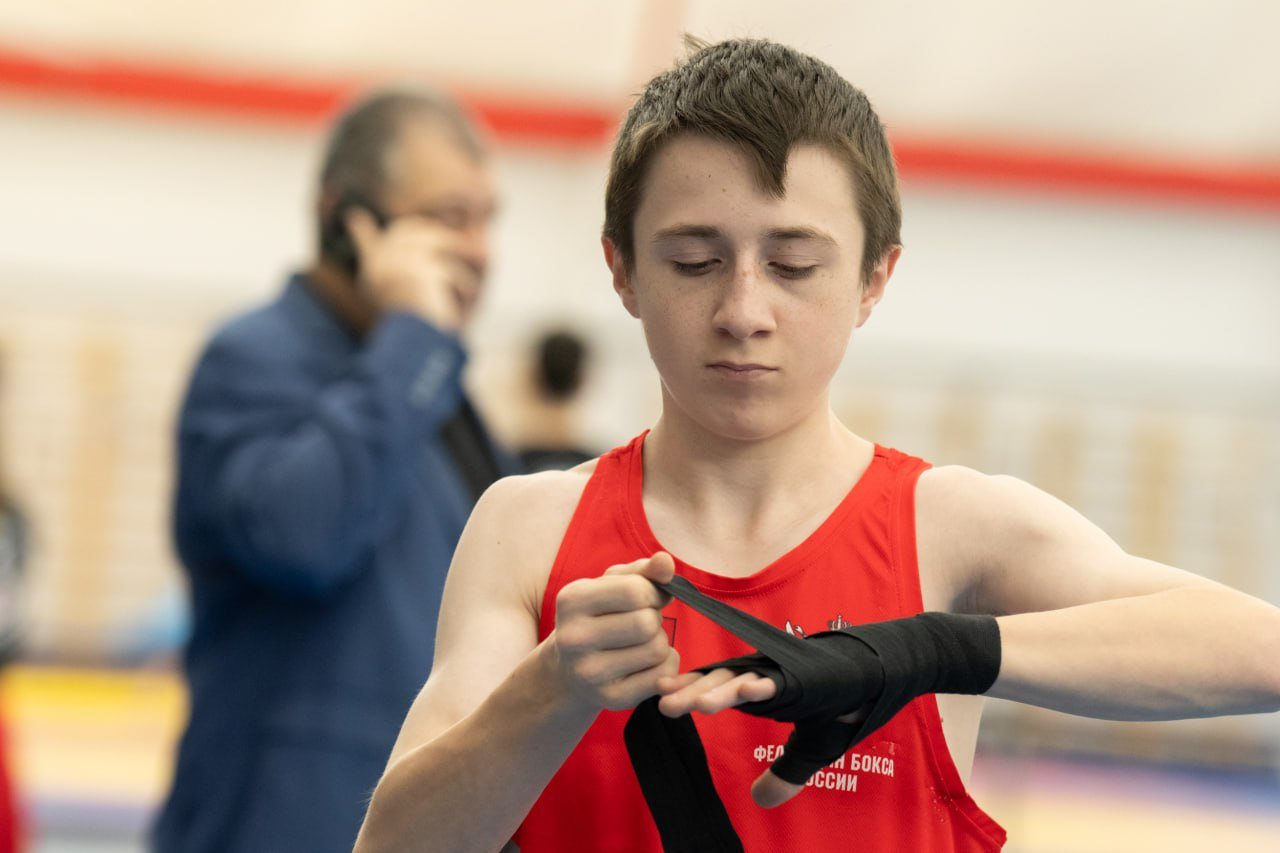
(877,668)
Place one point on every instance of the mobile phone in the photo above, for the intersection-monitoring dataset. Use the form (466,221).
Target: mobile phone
(335,241)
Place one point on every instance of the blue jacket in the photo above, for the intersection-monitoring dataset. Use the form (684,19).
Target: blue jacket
(316,512)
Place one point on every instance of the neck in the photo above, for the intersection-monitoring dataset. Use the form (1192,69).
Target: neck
(737,506)
(342,294)
(814,455)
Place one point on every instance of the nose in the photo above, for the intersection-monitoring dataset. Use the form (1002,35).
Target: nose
(744,309)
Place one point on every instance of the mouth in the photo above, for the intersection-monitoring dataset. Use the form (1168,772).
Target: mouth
(741,370)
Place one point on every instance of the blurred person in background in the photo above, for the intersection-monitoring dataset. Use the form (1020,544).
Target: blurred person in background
(557,368)
(328,458)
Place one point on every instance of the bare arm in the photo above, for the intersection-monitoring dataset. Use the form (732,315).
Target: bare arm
(1086,628)
(501,712)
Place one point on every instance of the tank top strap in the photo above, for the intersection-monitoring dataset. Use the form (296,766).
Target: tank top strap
(903,472)
(591,543)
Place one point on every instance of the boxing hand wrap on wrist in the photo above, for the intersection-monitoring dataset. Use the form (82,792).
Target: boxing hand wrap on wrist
(878,668)
(835,673)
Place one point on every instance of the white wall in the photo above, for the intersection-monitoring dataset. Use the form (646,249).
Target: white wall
(1191,79)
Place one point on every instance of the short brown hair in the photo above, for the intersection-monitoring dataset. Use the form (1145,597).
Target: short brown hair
(763,98)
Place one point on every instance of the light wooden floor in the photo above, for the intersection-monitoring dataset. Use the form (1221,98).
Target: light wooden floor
(91,752)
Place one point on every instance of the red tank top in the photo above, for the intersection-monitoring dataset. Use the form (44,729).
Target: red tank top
(896,791)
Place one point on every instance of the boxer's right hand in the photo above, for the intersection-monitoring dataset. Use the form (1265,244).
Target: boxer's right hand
(414,264)
(610,643)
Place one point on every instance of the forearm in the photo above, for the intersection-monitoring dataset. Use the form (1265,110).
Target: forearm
(1191,651)
(469,787)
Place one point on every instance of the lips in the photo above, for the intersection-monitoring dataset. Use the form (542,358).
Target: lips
(743,370)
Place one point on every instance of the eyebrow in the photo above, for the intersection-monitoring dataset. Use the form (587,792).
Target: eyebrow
(799,233)
(707,232)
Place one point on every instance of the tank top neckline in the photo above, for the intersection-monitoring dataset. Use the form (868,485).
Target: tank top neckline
(790,563)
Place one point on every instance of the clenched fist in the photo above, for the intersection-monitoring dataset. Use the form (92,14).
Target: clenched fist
(609,640)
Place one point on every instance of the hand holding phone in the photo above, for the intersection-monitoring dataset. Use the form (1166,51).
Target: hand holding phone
(410,263)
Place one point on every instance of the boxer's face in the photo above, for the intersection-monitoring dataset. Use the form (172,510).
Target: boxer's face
(747,300)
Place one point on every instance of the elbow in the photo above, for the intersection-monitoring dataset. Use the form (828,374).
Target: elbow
(381,831)
(367,839)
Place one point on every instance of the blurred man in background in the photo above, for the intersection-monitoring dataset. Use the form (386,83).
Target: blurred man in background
(328,458)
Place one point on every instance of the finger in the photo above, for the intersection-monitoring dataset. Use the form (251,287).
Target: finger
(769,791)
(608,594)
(601,667)
(631,690)
(671,684)
(661,568)
(687,697)
(616,630)
(741,688)
(362,227)
(760,688)
(635,567)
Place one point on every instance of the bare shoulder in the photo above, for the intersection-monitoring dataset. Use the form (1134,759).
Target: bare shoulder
(526,503)
(517,525)
(976,532)
(986,510)
(997,544)
(957,482)
(488,619)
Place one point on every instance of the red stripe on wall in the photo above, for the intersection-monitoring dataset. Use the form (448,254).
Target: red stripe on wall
(105,80)
(1256,188)
(296,101)
(311,101)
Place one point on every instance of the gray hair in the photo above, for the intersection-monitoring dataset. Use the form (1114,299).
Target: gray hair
(359,152)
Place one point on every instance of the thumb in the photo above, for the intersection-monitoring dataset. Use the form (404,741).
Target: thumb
(661,568)
(768,790)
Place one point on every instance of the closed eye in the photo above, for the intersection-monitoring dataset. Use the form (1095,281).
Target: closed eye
(694,267)
(793,272)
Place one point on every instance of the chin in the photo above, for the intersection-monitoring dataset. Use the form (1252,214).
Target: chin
(743,426)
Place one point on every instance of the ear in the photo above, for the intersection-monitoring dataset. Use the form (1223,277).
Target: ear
(873,289)
(621,277)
